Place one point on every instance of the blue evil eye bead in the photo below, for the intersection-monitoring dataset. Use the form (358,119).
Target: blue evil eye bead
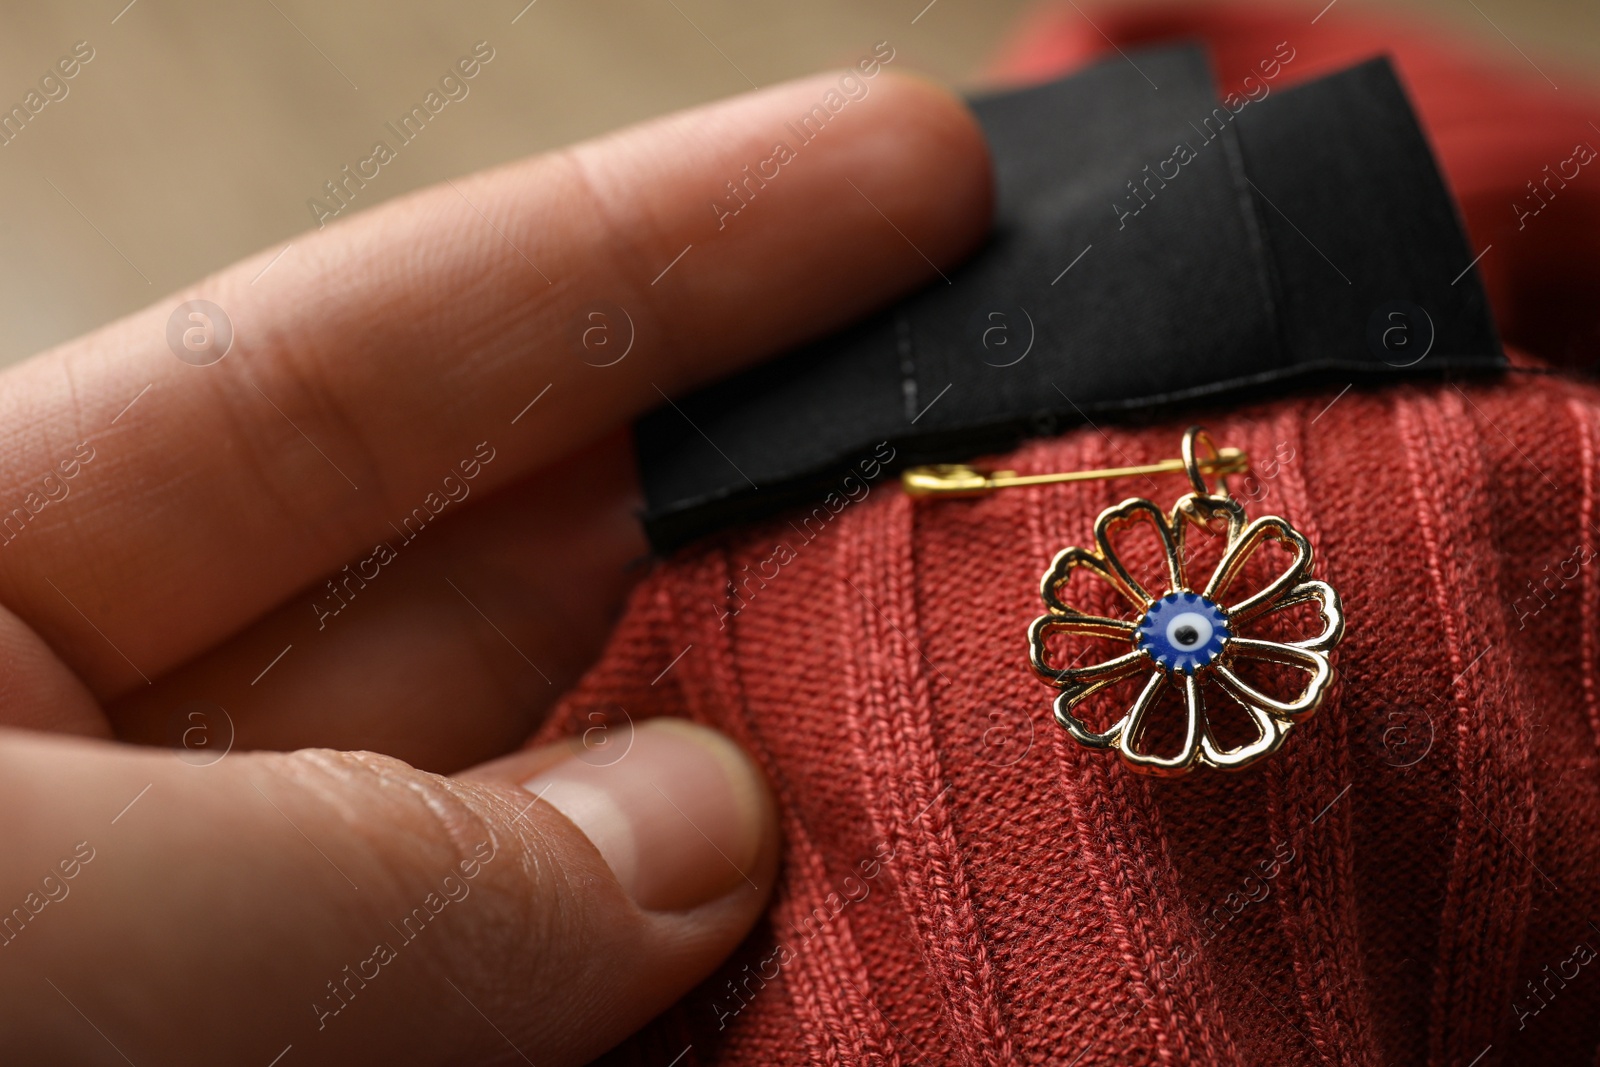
(1183,632)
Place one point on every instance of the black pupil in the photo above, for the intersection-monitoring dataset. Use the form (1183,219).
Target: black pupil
(1186,635)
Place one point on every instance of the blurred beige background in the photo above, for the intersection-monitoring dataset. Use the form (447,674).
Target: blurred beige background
(198,131)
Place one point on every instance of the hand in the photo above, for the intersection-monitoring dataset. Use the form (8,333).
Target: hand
(174,546)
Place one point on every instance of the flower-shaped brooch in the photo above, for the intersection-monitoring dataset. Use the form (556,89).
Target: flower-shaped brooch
(1185,631)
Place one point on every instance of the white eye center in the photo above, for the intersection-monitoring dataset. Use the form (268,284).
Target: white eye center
(1189,631)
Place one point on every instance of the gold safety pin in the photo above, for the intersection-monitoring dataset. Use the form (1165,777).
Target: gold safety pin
(960,480)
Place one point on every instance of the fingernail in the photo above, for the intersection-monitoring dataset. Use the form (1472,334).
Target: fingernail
(680,817)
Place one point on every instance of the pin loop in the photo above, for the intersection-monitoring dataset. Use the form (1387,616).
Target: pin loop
(1194,465)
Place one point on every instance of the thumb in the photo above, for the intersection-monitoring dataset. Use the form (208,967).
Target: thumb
(338,907)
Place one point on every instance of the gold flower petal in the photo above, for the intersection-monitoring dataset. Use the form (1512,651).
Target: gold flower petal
(1302,706)
(1270,733)
(1202,512)
(1083,625)
(1128,513)
(1238,554)
(1329,608)
(1054,583)
(1128,735)
(1085,682)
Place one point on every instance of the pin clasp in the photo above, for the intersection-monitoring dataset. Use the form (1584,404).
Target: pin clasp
(961,480)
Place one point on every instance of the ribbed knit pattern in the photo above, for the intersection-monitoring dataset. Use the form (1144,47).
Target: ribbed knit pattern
(1032,901)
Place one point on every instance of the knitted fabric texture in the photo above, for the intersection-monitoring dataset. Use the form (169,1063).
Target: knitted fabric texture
(1410,880)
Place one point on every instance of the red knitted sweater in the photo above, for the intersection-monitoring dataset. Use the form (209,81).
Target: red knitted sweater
(1410,880)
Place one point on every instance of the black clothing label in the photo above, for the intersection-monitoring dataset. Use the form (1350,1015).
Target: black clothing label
(1150,247)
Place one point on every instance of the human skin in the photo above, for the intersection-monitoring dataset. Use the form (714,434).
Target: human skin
(224,897)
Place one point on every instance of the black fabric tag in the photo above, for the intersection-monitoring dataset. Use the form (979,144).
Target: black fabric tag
(1150,247)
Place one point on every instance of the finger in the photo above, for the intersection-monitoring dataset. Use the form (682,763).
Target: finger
(360,911)
(492,616)
(371,362)
(38,691)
